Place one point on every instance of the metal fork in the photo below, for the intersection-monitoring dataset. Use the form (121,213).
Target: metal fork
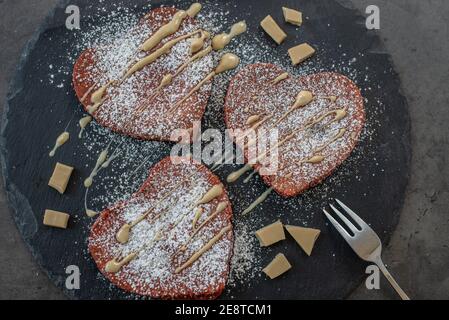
(364,242)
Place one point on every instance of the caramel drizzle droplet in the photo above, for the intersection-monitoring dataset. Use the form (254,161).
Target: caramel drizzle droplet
(315,159)
(84,122)
(198,43)
(215,192)
(253,119)
(222,40)
(194,9)
(233,177)
(101,159)
(258,201)
(302,99)
(198,213)
(116,265)
(60,141)
(122,236)
(280,78)
(338,136)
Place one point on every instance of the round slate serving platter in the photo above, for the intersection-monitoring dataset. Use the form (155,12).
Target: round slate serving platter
(372,181)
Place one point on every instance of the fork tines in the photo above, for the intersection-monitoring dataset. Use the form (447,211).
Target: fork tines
(346,224)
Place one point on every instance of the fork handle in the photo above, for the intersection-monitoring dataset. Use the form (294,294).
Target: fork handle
(390,279)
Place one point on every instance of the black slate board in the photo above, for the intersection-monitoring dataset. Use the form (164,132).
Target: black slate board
(372,181)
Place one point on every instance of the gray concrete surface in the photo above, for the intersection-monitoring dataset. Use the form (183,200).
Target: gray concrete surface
(416,33)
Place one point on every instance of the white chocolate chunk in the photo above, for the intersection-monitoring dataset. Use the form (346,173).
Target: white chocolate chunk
(292,16)
(277,267)
(271,234)
(305,237)
(301,53)
(273,30)
(56,219)
(60,178)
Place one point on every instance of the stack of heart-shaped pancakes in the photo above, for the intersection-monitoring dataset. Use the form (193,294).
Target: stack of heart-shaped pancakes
(314,137)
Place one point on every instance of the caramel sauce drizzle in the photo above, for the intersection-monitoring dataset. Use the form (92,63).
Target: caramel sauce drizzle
(166,48)
(212,194)
(97,98)
(101,159)
(168,78)
(115,265)
(313,160)
(220,208)
(84,122)
(60,141)
(171,27)
(280,78)
(194,9)
(165,31)
(338,115)
(198,213)
(84,97)
(302,99)
(228,62)
(198,43)
(123,234)
(204,249)
(248,179)
(253,119)
(233,177)
(258,201)
(316,157)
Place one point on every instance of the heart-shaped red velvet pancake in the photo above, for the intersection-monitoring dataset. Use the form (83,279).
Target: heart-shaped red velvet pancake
(174,231)
(135,107)
(315,148)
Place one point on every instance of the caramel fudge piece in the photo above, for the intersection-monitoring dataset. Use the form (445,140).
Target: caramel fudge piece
(56,219)
(272,28)
(277,267)
(305,237)
(60,178)
(271,234)
(300,53)
(292,16)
